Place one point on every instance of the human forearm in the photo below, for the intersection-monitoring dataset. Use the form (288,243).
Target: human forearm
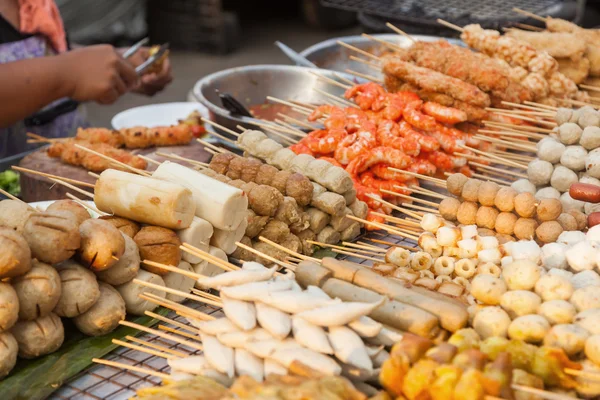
(26,86)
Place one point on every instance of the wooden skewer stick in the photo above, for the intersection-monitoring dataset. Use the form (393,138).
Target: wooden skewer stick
(177,292)
(506,133)
(414,229)
(392,244)
(449,25)
(297,122)
(365,76)
(206,294)
(533,130)
(545,113)
(420,208)
(112,160)
(266,257)
(385,227)
(310,106)
(329,80)
(525,107)
(338,249)
(211,151)
(180,158)
(540,105)
(403,196)
(508,144)
(542,393)
(376,67)
(286,250)
(518,157)
(390,45)
(141,370)
(176,270)
(360,245)
(530,14)
(156,346)
(212,146)
(344,79)
(84,204)
(491,178)
(500,171)
(336,98)
(185,311)
(287,139)
(356,49)
(291,127)
(423,191)
(209,257)
(143,349)
(537,121)
(287,103)
(180,333)
(221,127)
(589,87)
(395,207)
(500,159)
(149,160)
(333,246)
(73,181)
(224,138)
(279,128)
(400,32)
(95,175)
(75,188)
(438,182)
(172,322)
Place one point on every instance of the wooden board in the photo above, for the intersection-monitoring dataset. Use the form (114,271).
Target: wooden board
(38,188)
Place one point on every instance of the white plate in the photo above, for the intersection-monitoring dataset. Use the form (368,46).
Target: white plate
(42,205)
(154,115)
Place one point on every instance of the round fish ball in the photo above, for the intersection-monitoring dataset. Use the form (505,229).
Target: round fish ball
(53,236)
(160,245)
(581,256)
(80,213)
(38,290)
(586,298)
(562,273)
(525,228)
(104,316)
(574,158)
(580,217)
(455,183)
(525,205)
(126,268)
(547,193)
(529,328)
(520,302)
(126,226)
(592,164)
(491,322)
(553,287)
(505,199)
(588,320)
(14,214)
(585,278)
(467,213)
(563,115)
(548,209)
(489,268)
(505,223)
(521,275)
(557,311)
(506,260)
(9,312)
(15,257)
(484,232)
(179,282)
(592,348)
(584,178)
(448,208)
(488,289)
(589,208)
(548,231)
(130,292)
(569,133)
(80,290)
(588,387)
(567,222)
(571,238)
(470,190)
(487,193)
(563,178)
(526,250)
(523,186)
(570,203)
(39,337)
(569,337)
(9,348)
(550,150)
(590,138)
(553,256)
(588,118)
(101,244)
(539,172)
(486,217)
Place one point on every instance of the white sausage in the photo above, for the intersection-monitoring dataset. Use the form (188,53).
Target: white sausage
(241,313)
(339,314)
(276,322)
(225,240)
(366,327)
(198,234)
(144,199)
(222,205)
(247,363)
(241,339)
(217,355)
(130,292)
(180,282)
(210,270)
(296,302)
(349,348)
(310,336)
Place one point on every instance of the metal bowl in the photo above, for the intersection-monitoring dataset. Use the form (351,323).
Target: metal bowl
(252,84)
(330,55)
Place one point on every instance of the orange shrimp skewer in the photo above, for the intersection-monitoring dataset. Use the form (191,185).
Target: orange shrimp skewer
(301,148)
(427,143)
(392,157)
(446,115)
(353,146)
(365,94)
(324,142)
(383,172)
(388,134)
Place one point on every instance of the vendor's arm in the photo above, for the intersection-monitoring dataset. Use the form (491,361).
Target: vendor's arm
(95,73)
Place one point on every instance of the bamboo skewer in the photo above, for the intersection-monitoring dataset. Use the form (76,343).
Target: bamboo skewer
(291,127)
(84,204)
(15,198)
(360,245)
(365,76)
(172,322)
(392,244)
(491,178)
(148,159)
(336,247)
(498,170)
(297,122)
(507,144)
(396,220)
(178,308)
(329,80)
(179,332)
(143,349)
(431,203)
(180,158)
(395,207)
(177,292)
(357,255)
(500,160)
(75,188)
(285,249)
(161,334)
(385,227)
(208,257)
(426,192)
(449,25)
(221,127)
(438,182)
(206,294)
(266,257)
(420,208)
(73,181)
(529,14)
(287,139)
(287,103)
(336,98)
(400,32)
(212,146)
(390,45)
(356,49)
(176,270)
(156,346)
(131,368)
(376,67)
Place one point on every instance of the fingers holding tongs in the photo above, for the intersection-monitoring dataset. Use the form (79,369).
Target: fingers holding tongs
(154,62)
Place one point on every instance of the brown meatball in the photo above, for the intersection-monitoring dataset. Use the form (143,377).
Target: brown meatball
(160,245)
(504,238)
(265,174)
(486,217)
(269,250)
(280,179)
(293,243)
(53,236)
(256,223)
(288,211)
(14,214)
(467,213)
(300,188)
(487,193)
(250,169)
(525,228)
(79,212)
(455,183)
(470,190)
(449,208)
(275,231)
(505,223)
(306,236)
(264,200)
(580,217)
(38,291)
(525,205)
(548,231)
(549,209)
(126,226)
(220,162)
(236,165)
(505,199)
(15,257)
(242,254)
(101,244)
(567,222)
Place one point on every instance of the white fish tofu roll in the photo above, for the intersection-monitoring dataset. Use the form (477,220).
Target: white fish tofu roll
(130,292)
(225,240)
(144,199)
(207,269)
(180,282)
(198,234)
(222,205)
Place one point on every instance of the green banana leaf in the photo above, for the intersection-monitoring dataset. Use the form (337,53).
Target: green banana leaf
(37,379)
(324,252)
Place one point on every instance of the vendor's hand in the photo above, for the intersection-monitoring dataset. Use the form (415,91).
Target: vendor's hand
(97,73)
(151,83)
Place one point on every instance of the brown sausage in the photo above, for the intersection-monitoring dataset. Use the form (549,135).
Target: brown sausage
(593,219)
(585,192)
(309,273)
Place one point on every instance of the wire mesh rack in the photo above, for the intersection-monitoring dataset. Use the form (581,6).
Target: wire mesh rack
(103,382)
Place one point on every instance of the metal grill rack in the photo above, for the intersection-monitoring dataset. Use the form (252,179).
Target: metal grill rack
(101,382)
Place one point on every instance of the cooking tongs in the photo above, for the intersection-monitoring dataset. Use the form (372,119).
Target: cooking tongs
(133,49)
(155,58)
